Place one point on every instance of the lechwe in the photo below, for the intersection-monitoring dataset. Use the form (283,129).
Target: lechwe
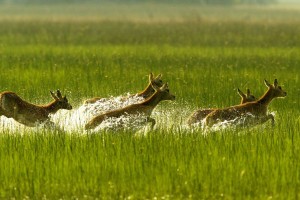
(146,107)
(200,114)
(146,93)
(12,106)
(253,112)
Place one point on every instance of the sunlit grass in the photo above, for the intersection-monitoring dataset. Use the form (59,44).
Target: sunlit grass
(204,63)
(251,164)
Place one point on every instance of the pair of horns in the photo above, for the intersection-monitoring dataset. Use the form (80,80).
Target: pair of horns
(269,85)
(242,94)
(162,88)
(155,87)
(151,77)
(57,96)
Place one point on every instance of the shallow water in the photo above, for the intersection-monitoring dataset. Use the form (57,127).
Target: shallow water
(75,119)
(171,118)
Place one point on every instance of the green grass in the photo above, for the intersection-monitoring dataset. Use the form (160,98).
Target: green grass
(204,62)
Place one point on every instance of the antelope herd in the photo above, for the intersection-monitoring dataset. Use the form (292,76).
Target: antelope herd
(253,111)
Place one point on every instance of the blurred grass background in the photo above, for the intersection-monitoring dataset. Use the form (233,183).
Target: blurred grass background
(205,53)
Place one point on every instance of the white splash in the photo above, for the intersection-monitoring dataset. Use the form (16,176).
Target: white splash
(170,120)
(75,119)
(246,121)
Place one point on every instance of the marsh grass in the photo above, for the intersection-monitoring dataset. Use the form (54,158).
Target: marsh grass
(204,63)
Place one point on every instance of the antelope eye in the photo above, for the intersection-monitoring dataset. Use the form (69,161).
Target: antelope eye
(279,87)
(167,90)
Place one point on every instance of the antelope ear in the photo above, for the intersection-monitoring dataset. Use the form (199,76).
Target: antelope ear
(240,93)
(158,76)
(248,92)
(58,94)
(151,77)
(53,95)
(154,86)
(275,83)
(267,83)
(164,87)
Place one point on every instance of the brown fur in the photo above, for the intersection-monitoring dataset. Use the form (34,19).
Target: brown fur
(12,106)
(145,107)
(200,114)
(257,108)
(146,93)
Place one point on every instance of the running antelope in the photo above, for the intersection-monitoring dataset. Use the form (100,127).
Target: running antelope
(256,109)
(146,107)
(146,93)
(200,114)
(12,106)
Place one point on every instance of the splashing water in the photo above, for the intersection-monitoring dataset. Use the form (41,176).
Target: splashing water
(168,120)
(75,119)
(246,121)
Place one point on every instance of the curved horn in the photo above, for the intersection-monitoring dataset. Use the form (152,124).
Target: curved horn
(248,92)
(158,76)
(275,83)
(58,94)
(267,83)
(151,77)
(154,86)
(164,87)
(241,93)
(53,95)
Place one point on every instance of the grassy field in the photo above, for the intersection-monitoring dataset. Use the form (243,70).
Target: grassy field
(204,54)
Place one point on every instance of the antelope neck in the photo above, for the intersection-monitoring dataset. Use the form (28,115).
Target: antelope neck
(266,98)
(153,100)
(146,91)
(51,107)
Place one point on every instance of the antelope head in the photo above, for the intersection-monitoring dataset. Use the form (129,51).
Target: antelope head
(248,97)
(164,92)
(277,90)
(61,102)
